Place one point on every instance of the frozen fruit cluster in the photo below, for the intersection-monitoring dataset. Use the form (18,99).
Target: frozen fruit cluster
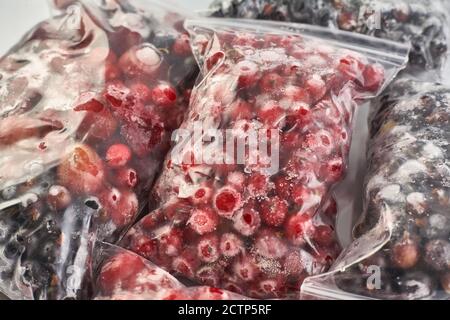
(423,23)
(126,276)
(258,227)
(407,188)
(87,112)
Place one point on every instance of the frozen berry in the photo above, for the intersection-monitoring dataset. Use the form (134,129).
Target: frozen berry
(237,180)
(245,269)
(121,206)
(141,91)
(208,248)
(81,171)
(182,45)
(58,197)
(227,201)
(271,82)
(273,211)
(164,95)
(118,155)
(269,245)
(247,221)
(127,177)
(141,60)
(258,184)
(202,195)
(299,228)
(231,245)
(186,264)
(203,220)
(373,77)
(248,73)
(171,242)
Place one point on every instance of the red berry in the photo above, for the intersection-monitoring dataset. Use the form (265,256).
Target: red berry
(271,288)
(301,195)
(81,171)
(164,95)
(269,245)
(240,109)
(271,82)
(324,235)
(274,211)
(144,246)
(316,87)
(293,264)
(121,206)
(208,248)
(258,184)
(182,45)
(248,73)
(118,271)
(118,155)
(245,269)
(332,171)
(203,220)
(297,94)
(209,275)
(127,177)
(373,77)
(299,228)
(247,221)
(283,187)
(352,66)
(231,245)
(141,91)
(58,197)
(171,242)
(140,60)
(186,264)
(272,114)
(202,195)
(226,201)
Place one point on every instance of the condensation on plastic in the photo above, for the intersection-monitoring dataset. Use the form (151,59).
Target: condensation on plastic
(219,224)
(402,241)
(76,85)
(123,275)
(424,23)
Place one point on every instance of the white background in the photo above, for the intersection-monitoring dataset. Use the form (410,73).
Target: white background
(18,16)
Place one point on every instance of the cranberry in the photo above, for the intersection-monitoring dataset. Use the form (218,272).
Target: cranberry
(283,187)
(121,206)
(164,95)
(231,245)
(127,177)
(226,201)
(299,228)
(141,91)
(118,155)
(352,66)
(208,248)
(248,72)
(58,197)
(141,60)
(182,45)
(82,171)
(203,220)
(247,221)
(274,211)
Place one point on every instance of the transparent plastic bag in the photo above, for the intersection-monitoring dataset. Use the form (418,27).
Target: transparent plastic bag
(402,248)
(88,102)
(244,197)
(123,275)
(424,23)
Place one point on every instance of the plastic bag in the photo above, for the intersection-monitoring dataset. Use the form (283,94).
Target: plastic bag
(123,275)
(244,197)
(424,23)
(402,248)
(88,101)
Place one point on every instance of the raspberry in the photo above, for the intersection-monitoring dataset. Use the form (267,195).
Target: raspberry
(271,82)
(226,201)
(208,248)
(299,228)
(248,73)
(164,95)
(245,269)
(332,171)
(58,197)
(274,211)
(231,245)
(119,270)
(293,264)
(82,171)
(182,46)
(269,245)
(301,195)
(202,195)
(118,155)
(247,221)
(121,206)
(208,275)
(186,264)
(203,220)
(127,177)
(283,187)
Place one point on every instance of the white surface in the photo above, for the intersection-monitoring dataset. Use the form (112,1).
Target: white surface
(19,16)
